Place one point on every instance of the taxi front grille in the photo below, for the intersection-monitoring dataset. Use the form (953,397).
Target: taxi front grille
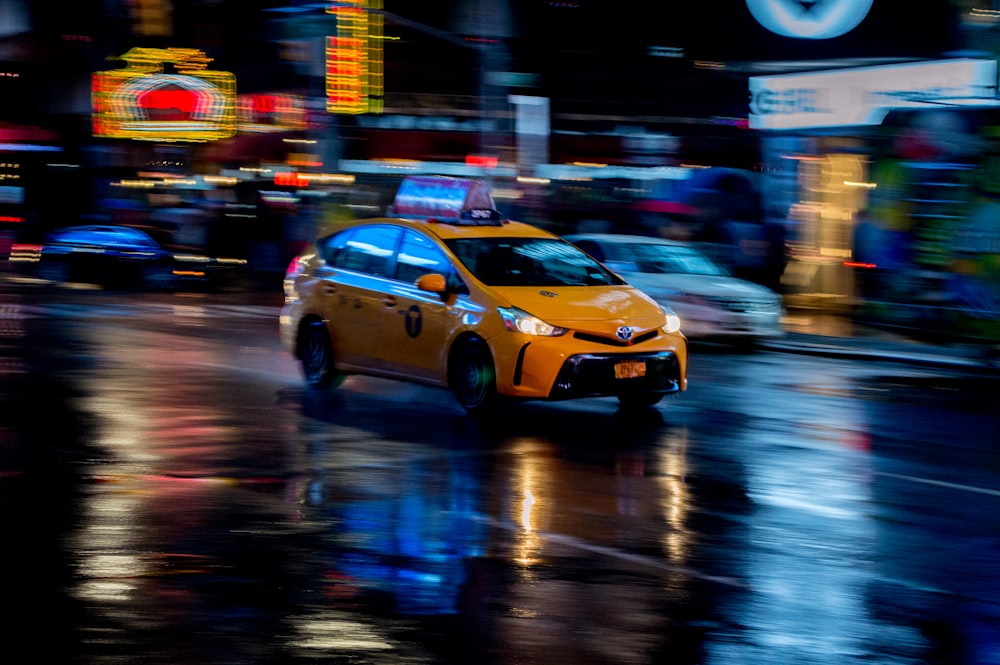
(594,374)
(614,341)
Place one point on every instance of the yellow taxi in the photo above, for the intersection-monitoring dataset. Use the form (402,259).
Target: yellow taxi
(444,291)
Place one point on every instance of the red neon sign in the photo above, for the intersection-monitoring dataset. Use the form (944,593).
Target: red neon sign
(271,113)
(482,160)
(354,81)
(143,102)
(169,99)
(290,179)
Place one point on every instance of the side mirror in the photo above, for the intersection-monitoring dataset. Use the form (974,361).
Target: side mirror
(433,282)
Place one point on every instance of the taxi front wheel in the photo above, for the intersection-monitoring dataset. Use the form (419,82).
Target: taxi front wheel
(316,354)
(473,377)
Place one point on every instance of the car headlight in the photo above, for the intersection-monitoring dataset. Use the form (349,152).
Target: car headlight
(518,320)
(673,323)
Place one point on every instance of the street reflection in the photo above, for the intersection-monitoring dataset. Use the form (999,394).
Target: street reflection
(401,524)
(806,478)
(529,480)
(675,496)
(109,561)
(772,520)
(337,632)
(938,556)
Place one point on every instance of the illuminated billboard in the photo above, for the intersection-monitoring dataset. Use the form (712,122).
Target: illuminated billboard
(354,75)
(864,95)
(164,95)
(777,30)
(264,113)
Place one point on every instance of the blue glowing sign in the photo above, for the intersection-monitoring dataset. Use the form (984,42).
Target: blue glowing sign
(819,19)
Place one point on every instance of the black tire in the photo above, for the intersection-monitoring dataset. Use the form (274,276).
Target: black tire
(473,377)
(316,356)
(638,400)
(53,271)
(158,277)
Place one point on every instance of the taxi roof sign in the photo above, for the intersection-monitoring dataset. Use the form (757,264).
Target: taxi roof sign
(445,197)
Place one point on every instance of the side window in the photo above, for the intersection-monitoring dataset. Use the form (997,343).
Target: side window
(419,256)
(332,247)
(369,249)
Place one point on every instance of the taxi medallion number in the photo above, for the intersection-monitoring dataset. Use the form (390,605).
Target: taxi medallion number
(630,369)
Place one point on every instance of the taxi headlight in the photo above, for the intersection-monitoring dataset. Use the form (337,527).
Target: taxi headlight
(517,320)
(673,323)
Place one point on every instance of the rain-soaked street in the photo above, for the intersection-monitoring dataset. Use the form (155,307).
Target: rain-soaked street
(172,494)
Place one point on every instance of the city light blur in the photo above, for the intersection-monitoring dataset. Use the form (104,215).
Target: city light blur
(193,495)
(245,135)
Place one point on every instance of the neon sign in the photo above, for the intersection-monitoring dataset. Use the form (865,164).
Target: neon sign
(865,95)
(819,19)
(271,113)
(143,101)
(354,79)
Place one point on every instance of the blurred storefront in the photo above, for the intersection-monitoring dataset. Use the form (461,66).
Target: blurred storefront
(627,103)
(875,170)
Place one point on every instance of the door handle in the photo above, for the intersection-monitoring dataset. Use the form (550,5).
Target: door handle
(329,289)
(389,301)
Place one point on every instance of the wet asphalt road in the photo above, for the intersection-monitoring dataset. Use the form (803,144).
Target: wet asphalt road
(171,494)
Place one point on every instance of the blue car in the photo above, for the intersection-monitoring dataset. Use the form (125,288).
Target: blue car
(112,256)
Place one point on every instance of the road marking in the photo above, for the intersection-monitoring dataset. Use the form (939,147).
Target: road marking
(615,553)
(940,483)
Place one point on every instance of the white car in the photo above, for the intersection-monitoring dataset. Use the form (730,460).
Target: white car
(711,303)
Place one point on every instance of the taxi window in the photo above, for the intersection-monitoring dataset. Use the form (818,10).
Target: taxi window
(333,246)
(368,249)
(419,256)
(530,262)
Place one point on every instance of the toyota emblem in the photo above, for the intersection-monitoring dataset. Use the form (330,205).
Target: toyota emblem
(624,333)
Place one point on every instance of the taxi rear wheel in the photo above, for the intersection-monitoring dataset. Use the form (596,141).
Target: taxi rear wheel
(473,377)
(316,355)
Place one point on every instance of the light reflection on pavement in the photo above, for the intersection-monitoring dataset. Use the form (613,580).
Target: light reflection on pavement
(196,504)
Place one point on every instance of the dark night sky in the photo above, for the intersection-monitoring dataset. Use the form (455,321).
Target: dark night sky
(707,29)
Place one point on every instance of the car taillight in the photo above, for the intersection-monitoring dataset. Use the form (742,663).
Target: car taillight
(296,267)
(25,252)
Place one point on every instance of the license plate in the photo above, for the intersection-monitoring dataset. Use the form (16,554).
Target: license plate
(630,369)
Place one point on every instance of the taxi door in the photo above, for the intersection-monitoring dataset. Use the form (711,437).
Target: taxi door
(417,322)
(354,292)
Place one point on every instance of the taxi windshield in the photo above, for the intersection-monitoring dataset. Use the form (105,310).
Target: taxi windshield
(530,262)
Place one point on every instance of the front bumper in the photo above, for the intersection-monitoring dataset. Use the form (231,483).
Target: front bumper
(576,366)
(591,374)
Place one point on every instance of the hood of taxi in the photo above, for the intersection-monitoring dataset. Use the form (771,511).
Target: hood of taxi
(586,307)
